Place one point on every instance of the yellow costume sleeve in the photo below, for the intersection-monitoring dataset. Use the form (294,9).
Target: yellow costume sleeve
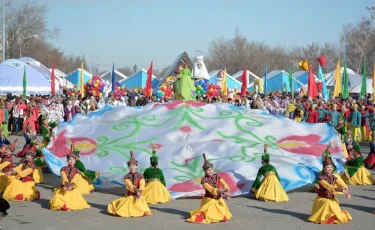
(3,165)
(75,179)
(326,185)
(224,185)
(23,173)
(341,183)
(142,184)
(129,185)
(64,178)
(210,189)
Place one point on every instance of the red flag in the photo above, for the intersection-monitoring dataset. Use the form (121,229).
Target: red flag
(313,90)
(244,82)
(53,79)
(148,82)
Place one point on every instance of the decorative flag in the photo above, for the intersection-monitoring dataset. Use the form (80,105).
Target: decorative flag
(24,83)
(113,77)
(265,79)
(312,89)
(304,65)
(81,82)
(224,84)
(244,82)
(147,90)
(345,83)
(53,92)
(291,82)
(324,85)
(364,79)
(322,61)
(337,91)
(373,84)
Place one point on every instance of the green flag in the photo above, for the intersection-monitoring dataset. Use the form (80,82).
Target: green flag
(364,79)
(345,83)
(291,82)
(24,83)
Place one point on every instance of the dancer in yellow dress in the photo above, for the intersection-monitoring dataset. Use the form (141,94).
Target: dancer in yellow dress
(356,170)
(39,162)
(21,185)
(6,164)
(155,191)
(68,197)
(84,184)
(326,209)
(134,204)
(269,189)
(213,208)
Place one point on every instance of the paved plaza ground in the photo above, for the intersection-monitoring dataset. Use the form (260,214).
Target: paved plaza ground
(248,213)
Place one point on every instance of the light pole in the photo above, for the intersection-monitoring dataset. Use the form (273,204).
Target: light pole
(3,30)
(198,51)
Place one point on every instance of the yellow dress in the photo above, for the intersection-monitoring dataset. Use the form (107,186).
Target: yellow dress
(213,208)
(38,175)
(155,192)
(326,209)
(271,190)
(22,186)
(68,200)
(361,177)
(84,184)
(130,206)
(5,165)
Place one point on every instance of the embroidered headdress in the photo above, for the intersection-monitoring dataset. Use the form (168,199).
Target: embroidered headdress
(206,164)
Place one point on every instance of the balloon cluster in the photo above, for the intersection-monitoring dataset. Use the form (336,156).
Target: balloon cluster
(201,87)
(163,92)
(72,92)
(95,87)
(214,91)
(120,91)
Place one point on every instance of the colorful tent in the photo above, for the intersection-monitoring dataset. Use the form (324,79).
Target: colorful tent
(11,78)
(107,76)
(231,82)
(138,80)
(75,76)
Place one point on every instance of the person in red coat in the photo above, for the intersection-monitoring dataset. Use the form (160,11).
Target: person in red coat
(313,115)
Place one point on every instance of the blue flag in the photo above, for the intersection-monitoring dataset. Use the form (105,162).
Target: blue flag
(113,77)
(265,79)
(324,86)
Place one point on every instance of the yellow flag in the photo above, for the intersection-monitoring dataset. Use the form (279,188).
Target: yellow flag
(224,83)
(373,84)
(81,82)
(337,80)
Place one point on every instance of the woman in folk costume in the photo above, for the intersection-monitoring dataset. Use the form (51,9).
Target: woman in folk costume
(21,185)
(45,132)
(68,197)
(370,159)
(134,204)
(155,191)
(269,189)
(365,124)
(6,164)
(341,129)
(213,208)
(326,209)
(356,170)
(4,118)
(325,155)
(84,184)
(29,135)
(355,119)
(69,111)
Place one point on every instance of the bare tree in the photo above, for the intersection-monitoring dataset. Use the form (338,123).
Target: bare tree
(358,40)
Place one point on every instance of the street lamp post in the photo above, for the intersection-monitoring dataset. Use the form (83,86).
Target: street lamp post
(3,30)
(198,51)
